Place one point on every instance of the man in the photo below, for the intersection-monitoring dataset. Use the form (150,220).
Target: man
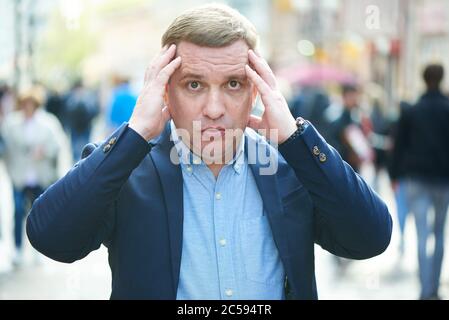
(421,159)
(188,225)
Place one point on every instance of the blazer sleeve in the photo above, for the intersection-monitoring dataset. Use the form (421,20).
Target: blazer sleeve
(350,219)
(76,214)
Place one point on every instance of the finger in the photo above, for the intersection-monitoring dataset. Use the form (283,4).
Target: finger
(160,61)
(164,49)
(257,53)
(259,56)
(263,88)
(255,122)
(262,68)
(165,74)
(150,69)
(165,58)
(161,52)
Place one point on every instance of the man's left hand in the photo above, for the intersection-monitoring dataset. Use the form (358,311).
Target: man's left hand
(277,114)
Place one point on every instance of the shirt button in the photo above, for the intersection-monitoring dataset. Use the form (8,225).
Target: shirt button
(196,161)
(316,151)
(218,196)
(229,292)
(222,242)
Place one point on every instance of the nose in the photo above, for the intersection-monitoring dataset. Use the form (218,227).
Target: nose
(215,107)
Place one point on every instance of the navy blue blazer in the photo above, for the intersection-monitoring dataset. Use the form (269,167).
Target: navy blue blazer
(128,195)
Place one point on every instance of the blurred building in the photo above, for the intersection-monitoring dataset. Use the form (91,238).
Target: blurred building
(382,41)
(21,23)
(129,38)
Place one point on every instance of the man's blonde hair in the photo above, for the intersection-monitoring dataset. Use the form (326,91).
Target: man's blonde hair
(211,25)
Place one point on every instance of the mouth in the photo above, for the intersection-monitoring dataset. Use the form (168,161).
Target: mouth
(212,132)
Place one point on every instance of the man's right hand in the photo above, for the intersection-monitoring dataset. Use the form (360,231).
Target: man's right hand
(150,115)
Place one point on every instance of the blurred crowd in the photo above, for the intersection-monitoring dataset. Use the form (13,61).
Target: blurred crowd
(42,134)
(412,146)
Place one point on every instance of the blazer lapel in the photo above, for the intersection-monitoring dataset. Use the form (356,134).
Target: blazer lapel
(172,186)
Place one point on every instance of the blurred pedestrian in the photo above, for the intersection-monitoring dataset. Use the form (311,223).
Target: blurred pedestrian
(81,107)
(122,103)
(311,103)
(55,104)
(421,156)
(6,101)
(348,133)
(398,184)
(345,133)
(3,92)
(2,145)
(30,153)
(380,139)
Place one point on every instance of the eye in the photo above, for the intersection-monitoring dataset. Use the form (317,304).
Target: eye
(234,84)
(194,85)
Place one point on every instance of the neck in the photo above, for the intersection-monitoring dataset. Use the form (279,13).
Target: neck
(215,168)
(215,165)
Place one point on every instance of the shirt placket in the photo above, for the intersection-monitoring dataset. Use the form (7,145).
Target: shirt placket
(223,241)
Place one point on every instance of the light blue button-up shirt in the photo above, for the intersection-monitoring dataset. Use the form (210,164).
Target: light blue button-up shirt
(228,251)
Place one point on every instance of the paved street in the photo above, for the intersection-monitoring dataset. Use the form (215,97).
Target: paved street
(383,277)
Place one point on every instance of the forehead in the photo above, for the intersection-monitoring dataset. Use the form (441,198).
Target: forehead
(208,61)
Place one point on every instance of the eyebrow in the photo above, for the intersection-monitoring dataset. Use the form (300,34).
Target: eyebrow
(191,75)
(241,77)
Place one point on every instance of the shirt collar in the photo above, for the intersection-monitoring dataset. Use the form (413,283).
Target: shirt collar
(190,161)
